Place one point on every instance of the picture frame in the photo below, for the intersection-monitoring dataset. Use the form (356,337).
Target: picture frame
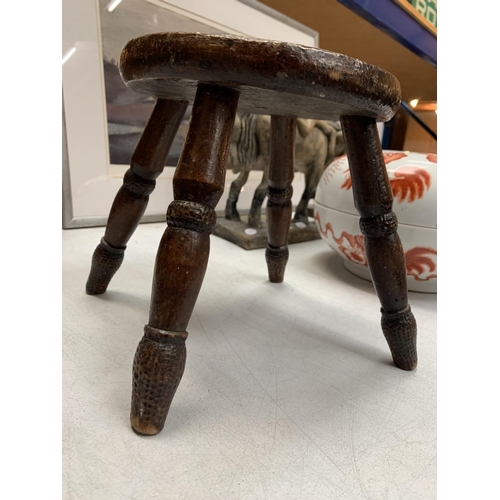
(93,33)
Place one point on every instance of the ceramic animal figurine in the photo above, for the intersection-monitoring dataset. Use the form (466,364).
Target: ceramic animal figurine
(317,143)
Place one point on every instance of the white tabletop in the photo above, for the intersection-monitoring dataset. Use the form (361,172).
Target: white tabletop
(289,390)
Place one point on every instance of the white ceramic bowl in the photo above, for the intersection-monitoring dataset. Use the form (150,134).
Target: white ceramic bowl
(413,178)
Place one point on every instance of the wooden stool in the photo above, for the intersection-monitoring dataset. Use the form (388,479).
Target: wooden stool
(280,79)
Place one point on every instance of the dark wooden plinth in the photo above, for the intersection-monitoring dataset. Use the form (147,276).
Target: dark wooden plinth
(234,231)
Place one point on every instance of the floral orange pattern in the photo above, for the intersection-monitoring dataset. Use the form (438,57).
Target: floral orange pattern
(347,183)
(408,183)
(388,157)
(353,247)
(334,167)
(420,261)
(328,175)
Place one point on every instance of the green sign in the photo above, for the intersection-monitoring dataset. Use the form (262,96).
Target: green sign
(424,11)
(427,8)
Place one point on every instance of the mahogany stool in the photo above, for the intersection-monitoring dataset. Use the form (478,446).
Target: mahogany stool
(286,81)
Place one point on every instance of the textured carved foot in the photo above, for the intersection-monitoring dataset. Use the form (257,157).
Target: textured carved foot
(400,331)
(158,367)
(106,260)
(276,259)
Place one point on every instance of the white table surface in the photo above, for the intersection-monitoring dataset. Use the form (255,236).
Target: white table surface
(289,390)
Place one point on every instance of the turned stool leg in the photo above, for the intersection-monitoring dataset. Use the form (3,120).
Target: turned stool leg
(147,163)
(279,204)
(182,257)
(373,199)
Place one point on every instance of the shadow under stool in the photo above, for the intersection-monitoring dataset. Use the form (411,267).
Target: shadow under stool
(219,73)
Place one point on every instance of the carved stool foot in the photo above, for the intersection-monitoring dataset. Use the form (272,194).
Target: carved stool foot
(158,367)
(106,260)
(400,331)
(276,259)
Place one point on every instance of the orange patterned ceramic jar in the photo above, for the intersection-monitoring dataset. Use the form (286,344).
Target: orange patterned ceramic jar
(413,178)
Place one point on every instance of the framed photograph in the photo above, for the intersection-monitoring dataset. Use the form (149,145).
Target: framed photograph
(103,120)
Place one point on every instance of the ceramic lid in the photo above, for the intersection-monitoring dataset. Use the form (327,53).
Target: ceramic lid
(413,178)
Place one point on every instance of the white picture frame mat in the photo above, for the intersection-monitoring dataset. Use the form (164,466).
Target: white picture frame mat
(93,182)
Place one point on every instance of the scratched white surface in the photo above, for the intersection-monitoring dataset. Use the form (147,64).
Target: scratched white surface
(289,391)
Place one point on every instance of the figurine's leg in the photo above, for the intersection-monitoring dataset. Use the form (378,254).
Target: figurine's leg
(182,257)
(301,211)
(234,193)
(147,163)
(279,204)
(312,177)
(373,199)
(255,215)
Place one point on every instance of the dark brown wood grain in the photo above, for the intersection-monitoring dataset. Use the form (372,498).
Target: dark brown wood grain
(273,77)
(182,255)
(279,205)
(373,200)
(147,163)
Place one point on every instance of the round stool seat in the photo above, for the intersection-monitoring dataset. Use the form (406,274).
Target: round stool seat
(276,78)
